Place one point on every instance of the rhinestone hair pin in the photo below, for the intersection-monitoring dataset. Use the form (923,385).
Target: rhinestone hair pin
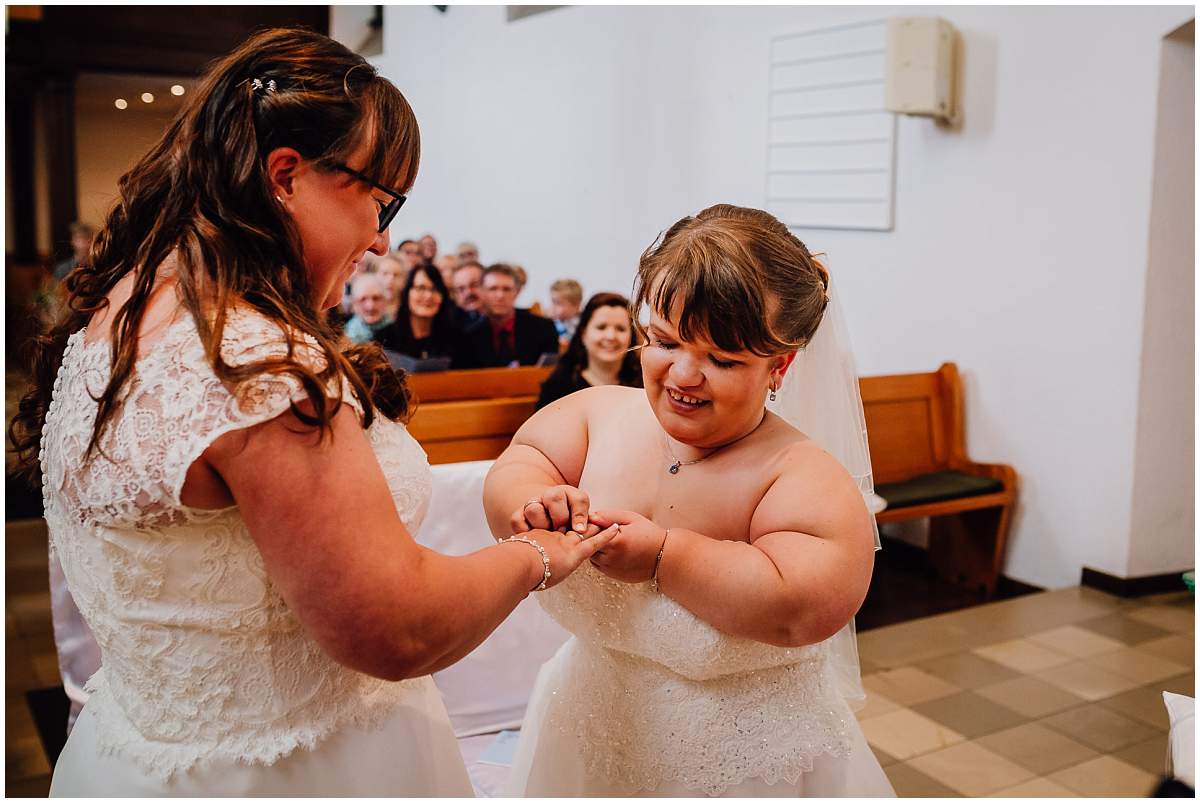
(256,84)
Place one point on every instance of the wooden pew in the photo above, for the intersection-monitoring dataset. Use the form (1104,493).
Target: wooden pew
(914,423)
(919,459)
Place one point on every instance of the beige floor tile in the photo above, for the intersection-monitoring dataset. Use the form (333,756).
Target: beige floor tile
(1084,679)
(910,642)
(1022,655)
(911,782)
(908,685)
(1030,696)
(1168,617)
(1180,649)
(971,769)
(1137,665)
(970,714)
(885,758)
(905,734)
(1075,641)
(1144,704)
(967,670)
(1106,777)
(1038,787)
(1123,629)
(1181,684)
(1149,756)
(1037,748)
(876,705)
(1099,728)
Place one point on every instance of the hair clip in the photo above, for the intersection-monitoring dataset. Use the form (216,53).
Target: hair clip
(257,84)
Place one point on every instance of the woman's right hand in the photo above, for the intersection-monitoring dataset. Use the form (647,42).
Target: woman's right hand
(567,552)
(563,508)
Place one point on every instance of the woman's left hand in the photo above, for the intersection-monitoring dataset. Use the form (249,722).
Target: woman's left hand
(630,556)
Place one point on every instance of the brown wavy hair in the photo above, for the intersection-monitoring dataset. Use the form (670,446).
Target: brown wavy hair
(574,360)
(202,192)
(746,283)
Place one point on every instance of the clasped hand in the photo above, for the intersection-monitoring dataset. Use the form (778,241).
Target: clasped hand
(628,557)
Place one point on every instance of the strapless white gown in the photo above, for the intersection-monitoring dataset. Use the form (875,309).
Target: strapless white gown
(647,699)
(209,685)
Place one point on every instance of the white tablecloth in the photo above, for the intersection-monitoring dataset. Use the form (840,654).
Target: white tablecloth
(488,690)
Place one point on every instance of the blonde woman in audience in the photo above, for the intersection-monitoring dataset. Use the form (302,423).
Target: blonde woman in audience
(393,273)
(369,300)
(710,654)
(231,496)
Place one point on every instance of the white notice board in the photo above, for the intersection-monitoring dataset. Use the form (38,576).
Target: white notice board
(831,150)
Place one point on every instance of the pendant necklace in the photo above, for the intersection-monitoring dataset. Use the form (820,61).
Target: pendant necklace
(676,463)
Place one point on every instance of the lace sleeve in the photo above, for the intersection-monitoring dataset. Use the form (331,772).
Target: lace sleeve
(211,408)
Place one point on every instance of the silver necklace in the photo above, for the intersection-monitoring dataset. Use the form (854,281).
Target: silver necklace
(676,463)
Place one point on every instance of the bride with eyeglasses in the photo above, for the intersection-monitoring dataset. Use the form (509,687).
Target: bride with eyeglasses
(712,650)
(231,496)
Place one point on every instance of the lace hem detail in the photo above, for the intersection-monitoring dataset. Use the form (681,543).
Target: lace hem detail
(657,727)
(117,736)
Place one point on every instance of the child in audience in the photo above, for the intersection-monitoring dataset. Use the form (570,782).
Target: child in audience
(369,299)
(393,272)
(566,296)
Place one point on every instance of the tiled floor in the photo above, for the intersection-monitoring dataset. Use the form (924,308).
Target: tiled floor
(1051,694)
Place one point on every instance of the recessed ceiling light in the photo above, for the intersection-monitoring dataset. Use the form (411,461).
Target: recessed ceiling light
(147,97)
(121,103)
(177,90)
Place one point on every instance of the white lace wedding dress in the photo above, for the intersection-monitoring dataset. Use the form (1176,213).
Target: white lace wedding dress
(209,685)
(647,699)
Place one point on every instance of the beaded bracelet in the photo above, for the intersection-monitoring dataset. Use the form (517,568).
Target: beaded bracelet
(545,558)
(658,560)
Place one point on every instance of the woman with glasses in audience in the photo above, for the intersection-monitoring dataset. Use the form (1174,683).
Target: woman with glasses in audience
(424,326)
(599,353)
(231,495)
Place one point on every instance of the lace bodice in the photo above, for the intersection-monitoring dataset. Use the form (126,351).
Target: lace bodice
(673,700)
(201,656)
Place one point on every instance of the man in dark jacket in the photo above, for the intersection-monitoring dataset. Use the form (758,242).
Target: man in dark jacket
(507,335)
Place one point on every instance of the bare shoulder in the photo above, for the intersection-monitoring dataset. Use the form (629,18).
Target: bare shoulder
(593,404)
(810,491)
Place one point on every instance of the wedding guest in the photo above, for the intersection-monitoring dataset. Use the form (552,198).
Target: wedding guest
(410,254)
(507,335)
(81,245)
(394,273)
(232,496)
(428,245)
(599,352)
(446,264)
(424,326)
(370,308)
(468,252)
(566,295)
(467,284)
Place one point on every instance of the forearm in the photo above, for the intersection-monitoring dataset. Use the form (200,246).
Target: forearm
(735,587)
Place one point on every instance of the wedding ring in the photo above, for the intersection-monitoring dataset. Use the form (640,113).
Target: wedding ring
(582,537)
(531,502)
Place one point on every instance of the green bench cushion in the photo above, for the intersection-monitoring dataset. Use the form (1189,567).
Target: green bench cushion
(936,487)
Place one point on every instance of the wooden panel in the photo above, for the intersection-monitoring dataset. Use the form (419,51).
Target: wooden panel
(483,383)
(460,451)
(900,434)
(459,420)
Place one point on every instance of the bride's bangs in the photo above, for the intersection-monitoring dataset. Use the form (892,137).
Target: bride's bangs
(394,139)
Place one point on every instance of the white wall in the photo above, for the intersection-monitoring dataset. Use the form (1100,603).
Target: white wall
(1162,535)
(568,140)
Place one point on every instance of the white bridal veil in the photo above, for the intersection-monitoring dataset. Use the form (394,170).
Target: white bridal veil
(820,397)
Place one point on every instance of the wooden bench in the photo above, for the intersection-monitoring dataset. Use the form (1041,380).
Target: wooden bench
(914,423)
(472,415)
(919,459)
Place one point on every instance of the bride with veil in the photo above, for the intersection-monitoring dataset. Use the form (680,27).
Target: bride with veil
(713,648)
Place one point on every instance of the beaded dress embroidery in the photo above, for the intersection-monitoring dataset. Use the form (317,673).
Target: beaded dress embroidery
(201,656)
(658,696)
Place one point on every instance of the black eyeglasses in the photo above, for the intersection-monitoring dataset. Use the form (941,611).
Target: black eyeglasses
(387,211)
